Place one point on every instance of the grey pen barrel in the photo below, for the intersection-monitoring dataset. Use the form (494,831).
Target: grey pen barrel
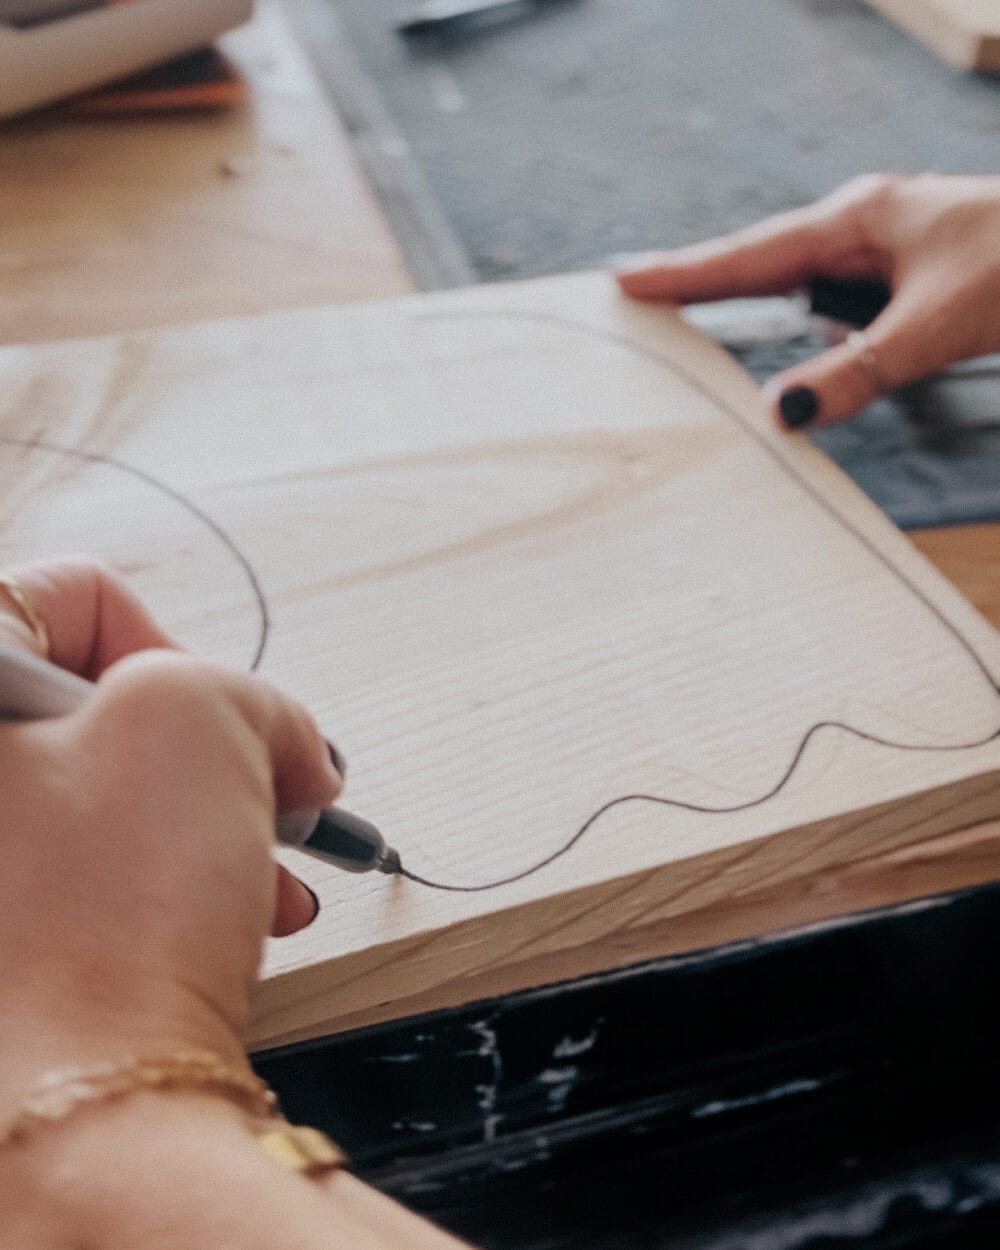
(350,842)
(34,689)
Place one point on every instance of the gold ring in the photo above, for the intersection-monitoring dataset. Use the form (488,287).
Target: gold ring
(867,358)
(24,604)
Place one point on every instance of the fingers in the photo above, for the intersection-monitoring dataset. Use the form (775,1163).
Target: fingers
(902,345)
(93,622)
(771,258)
(191,707)
(932,239)
(829,388)
(91,619)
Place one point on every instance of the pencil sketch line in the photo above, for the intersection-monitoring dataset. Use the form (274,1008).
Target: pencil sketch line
(213,526)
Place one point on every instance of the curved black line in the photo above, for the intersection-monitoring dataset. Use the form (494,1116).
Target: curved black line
(90,457)
(658,358)
(698,807)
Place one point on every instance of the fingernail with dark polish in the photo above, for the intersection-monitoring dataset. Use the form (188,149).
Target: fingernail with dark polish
(338,761)
(799,406)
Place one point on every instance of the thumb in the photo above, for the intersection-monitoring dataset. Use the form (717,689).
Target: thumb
(839,383)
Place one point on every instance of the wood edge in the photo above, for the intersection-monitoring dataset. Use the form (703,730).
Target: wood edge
(710,900)
(955,861)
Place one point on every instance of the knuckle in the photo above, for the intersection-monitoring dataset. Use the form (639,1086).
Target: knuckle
(875,189)
(871,198)
(854,386)
(946,186)
(867,205)
(858,386)
(153,689)
(77,580)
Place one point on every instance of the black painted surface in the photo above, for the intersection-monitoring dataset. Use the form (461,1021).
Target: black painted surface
(835,1087)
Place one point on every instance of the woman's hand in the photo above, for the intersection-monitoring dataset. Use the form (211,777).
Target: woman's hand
(935,240)
(138,831)
(137,888)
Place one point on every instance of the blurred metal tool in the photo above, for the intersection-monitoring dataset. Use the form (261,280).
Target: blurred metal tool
(51,48)
(438,15)
(826,304)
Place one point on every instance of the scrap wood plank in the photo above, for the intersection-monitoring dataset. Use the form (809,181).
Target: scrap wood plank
(536,560)
(965,33)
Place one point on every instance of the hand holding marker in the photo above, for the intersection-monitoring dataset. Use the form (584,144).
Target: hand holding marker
(34,689)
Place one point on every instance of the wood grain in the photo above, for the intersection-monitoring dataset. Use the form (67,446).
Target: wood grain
(965,33)
(524,550)
(113,224)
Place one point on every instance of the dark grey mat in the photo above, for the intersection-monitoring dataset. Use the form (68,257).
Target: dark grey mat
(928,455)
(599,126)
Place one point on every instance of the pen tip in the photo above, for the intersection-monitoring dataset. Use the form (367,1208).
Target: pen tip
(390,861)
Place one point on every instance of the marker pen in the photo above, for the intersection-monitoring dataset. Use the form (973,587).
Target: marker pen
(34,689)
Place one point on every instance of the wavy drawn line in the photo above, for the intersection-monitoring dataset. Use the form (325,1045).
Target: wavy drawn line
(770,449)
(680,804)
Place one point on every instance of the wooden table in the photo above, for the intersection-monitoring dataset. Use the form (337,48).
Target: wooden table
(115,225)
(970,556)
(118,224)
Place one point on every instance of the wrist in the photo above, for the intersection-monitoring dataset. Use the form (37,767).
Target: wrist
(122,1165)
(34,1048)
(185,1170)
(189,1167)
(53,1024)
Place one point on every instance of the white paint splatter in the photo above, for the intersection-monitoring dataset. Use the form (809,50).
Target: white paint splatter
(558,1076)
(488,1091)
(570,1047)
(806,1085)
(561,1082)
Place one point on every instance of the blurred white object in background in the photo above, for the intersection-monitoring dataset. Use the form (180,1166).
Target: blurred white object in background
(54,48)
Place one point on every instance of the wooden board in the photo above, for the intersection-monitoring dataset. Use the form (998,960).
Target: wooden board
(965,33)
(525,551)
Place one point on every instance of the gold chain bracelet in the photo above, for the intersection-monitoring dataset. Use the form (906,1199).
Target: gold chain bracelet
(64,1091)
